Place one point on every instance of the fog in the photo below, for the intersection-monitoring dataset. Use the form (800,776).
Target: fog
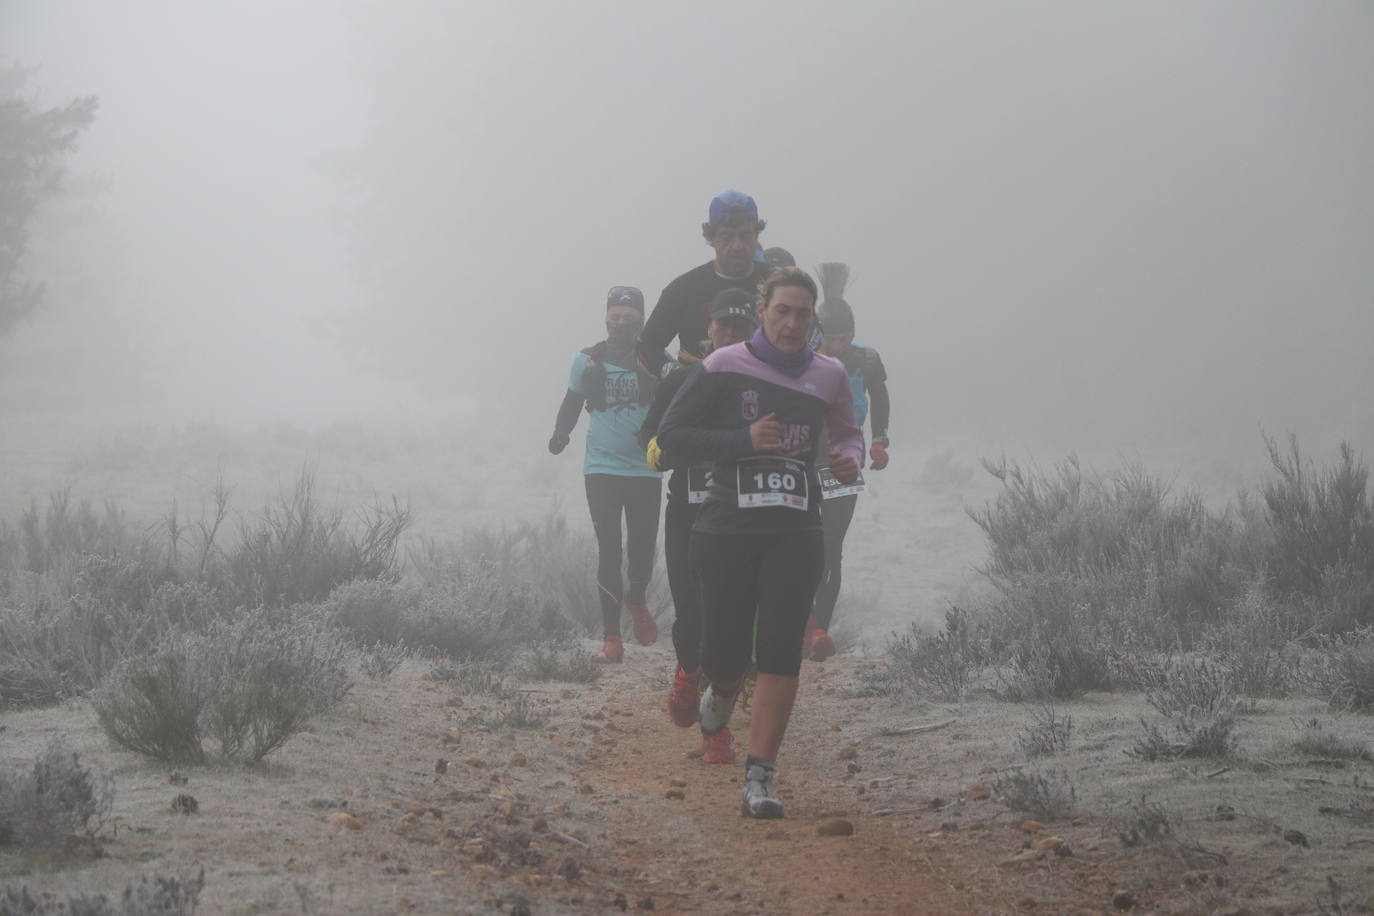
(1074,225)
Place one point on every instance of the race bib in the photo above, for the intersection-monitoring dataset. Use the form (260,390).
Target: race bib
(771,480)
(697,485)
(831,488)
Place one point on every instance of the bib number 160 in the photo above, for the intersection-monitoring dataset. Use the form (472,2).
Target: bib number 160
(776,480)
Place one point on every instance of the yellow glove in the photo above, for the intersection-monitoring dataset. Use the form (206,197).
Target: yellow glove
(654,455)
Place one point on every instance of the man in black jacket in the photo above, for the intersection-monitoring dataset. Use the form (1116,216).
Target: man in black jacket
(733,320)
(732,228)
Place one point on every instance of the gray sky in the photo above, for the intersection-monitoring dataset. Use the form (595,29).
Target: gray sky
(1077,224)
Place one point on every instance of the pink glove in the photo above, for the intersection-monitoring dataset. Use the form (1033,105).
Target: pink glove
(877,457)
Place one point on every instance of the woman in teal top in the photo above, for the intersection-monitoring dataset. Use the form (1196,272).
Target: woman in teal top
(616,391)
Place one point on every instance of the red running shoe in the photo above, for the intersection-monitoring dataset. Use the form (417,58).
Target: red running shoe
(718,748)
(683,698)
(612,651)
(646,630)
(822,646)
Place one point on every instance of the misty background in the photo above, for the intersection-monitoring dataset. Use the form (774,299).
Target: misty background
(1138,226)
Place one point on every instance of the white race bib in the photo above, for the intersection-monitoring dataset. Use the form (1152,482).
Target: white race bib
(697,485)
(831,488)
(772,480)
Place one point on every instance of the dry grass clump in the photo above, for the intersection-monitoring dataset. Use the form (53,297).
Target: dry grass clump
(56,804)
(1315,741)
(150,896)
(518,712)
(1046,796)
(551,661)
(1048,733)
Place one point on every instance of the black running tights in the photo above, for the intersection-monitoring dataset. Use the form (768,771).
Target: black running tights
(836,514)
(756,593)
(637,498)
(682,581)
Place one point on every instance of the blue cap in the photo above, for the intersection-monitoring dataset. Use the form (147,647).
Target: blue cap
(728,204)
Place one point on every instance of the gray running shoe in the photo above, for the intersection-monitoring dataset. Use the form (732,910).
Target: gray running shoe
(715,710)
(759,799)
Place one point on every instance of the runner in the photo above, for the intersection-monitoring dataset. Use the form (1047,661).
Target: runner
(732,228)
(868,384)
(733,319)
(757,410)
(616,392)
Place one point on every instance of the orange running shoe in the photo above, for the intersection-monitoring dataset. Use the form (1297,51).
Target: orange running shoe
(718,748)
(822,646)
(612,651)
(646,630)
(683,698)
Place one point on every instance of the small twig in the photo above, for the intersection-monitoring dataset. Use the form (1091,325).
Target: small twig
(1218,772)
(890,812)
(914,729)
(568,839)
(1316,779)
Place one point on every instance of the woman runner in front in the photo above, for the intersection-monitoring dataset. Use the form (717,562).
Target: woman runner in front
(757,411)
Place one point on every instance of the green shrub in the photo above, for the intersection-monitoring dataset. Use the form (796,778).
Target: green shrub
(1046,796)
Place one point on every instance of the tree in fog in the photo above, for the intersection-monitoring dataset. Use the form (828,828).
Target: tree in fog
(34,146)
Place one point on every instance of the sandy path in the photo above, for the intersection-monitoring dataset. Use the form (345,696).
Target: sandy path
(697,855)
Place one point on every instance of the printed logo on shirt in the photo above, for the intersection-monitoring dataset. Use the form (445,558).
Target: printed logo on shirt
(796,438)
(749,405)
(622,390)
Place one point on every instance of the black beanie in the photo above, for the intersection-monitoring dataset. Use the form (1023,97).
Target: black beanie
(625,295)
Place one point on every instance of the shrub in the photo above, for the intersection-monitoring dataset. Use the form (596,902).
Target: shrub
(1315,741)
(1341,671)
(1049,733)
(1195,736)
(46,808)
(547,661)
(1254,641)
(1191,688)
(1046,796)
(155,896)
(943,663)
(1323,534)
(298,551)
(267,679)
(249,683)
(154,704)
(380,660)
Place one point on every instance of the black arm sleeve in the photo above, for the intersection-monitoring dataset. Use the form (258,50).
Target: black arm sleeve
(658,332)
(567,413)
(682,431)
(880,405)
(663,396)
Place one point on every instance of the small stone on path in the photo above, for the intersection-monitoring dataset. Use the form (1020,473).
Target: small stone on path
(836,826)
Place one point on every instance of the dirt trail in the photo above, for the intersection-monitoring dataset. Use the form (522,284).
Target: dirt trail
(697,855)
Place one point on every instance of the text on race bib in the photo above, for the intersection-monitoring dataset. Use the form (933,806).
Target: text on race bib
(771,480)
(698,483)
(831,488)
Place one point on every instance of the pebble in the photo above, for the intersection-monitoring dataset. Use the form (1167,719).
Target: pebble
(518,760)
(836,826)
(452,736)
(1124,900)
(678,782)
(1031,826)
(676,794)
(1050,843)
(540,824)
(849,753)
(979,792)
(185,804)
